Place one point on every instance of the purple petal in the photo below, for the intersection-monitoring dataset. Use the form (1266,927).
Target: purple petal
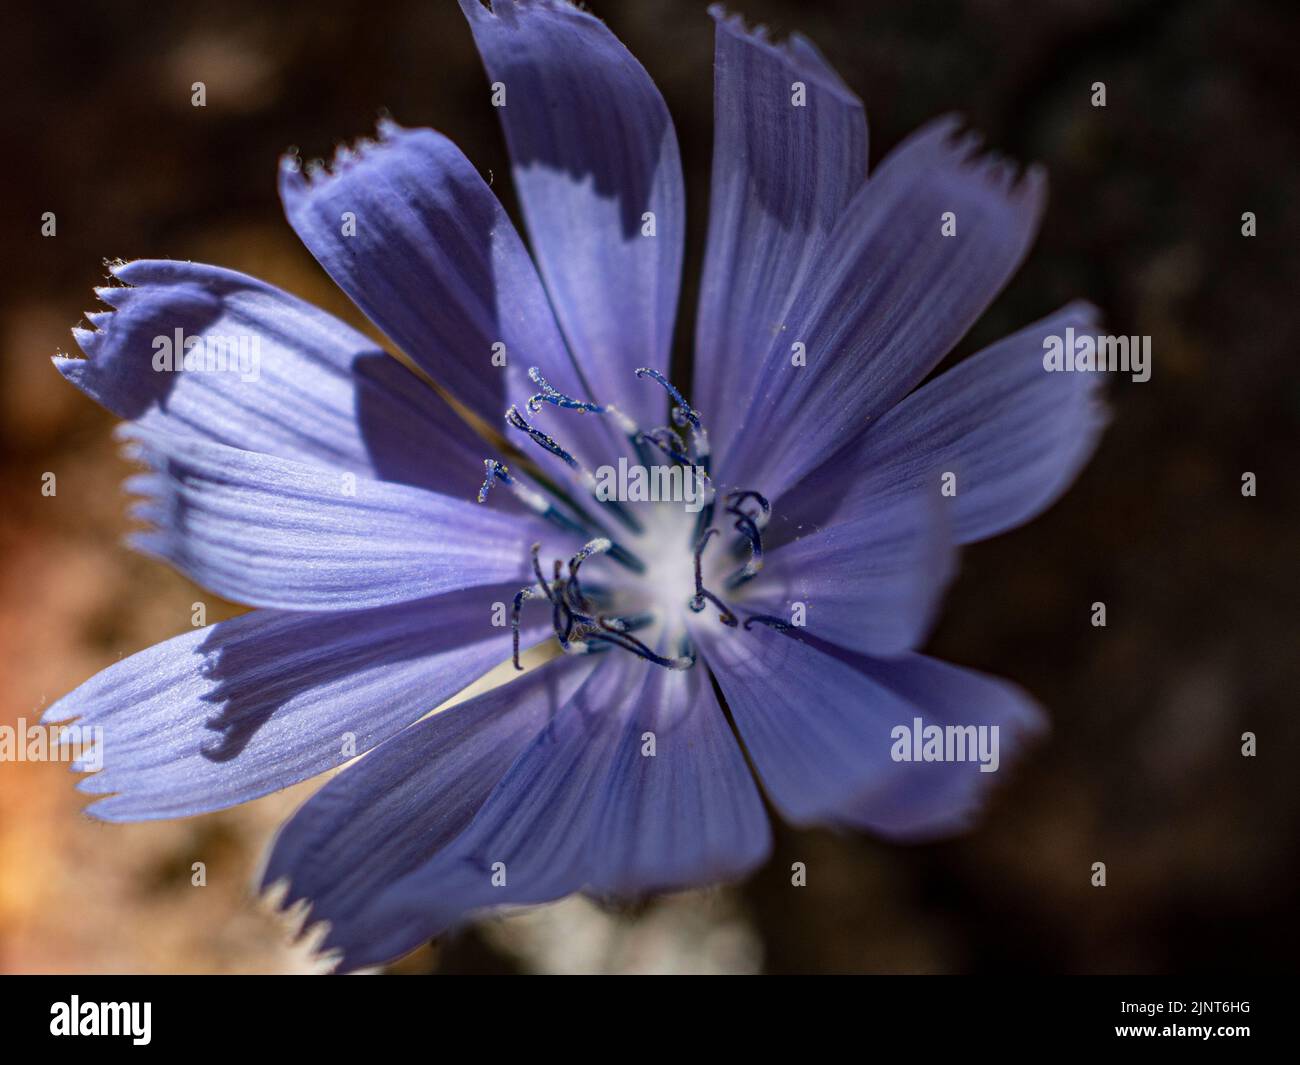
(688,815)
(583,808)
(1014,435)
(385,816)
(224,714)
(888,299)
(312,388)
(871,581)
(929,800)
(435,263)
(782,176)
(269,532)
(536,819)
(818,725)
(593,151)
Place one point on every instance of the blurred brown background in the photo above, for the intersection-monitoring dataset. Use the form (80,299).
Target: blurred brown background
(1143,769)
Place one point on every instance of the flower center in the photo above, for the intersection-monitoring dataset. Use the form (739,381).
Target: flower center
(668,571)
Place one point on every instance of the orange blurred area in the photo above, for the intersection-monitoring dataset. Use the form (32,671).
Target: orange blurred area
(77,895)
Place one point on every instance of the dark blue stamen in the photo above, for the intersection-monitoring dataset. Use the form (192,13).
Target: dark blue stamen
(724,612)
(593,548)
(684,413)
(520,597)
(669,443)
(556,398)
(699,574)
(696,603)
(495,471)
(666,437)
(517,421)
(747,525)
(770,620)
(537,572)
(565,402)
(561,616)
(547,590)
(560,611)
(735,499)
(575,597)
(620,638)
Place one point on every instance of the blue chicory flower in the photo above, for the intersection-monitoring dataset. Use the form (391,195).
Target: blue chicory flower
(341,496)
